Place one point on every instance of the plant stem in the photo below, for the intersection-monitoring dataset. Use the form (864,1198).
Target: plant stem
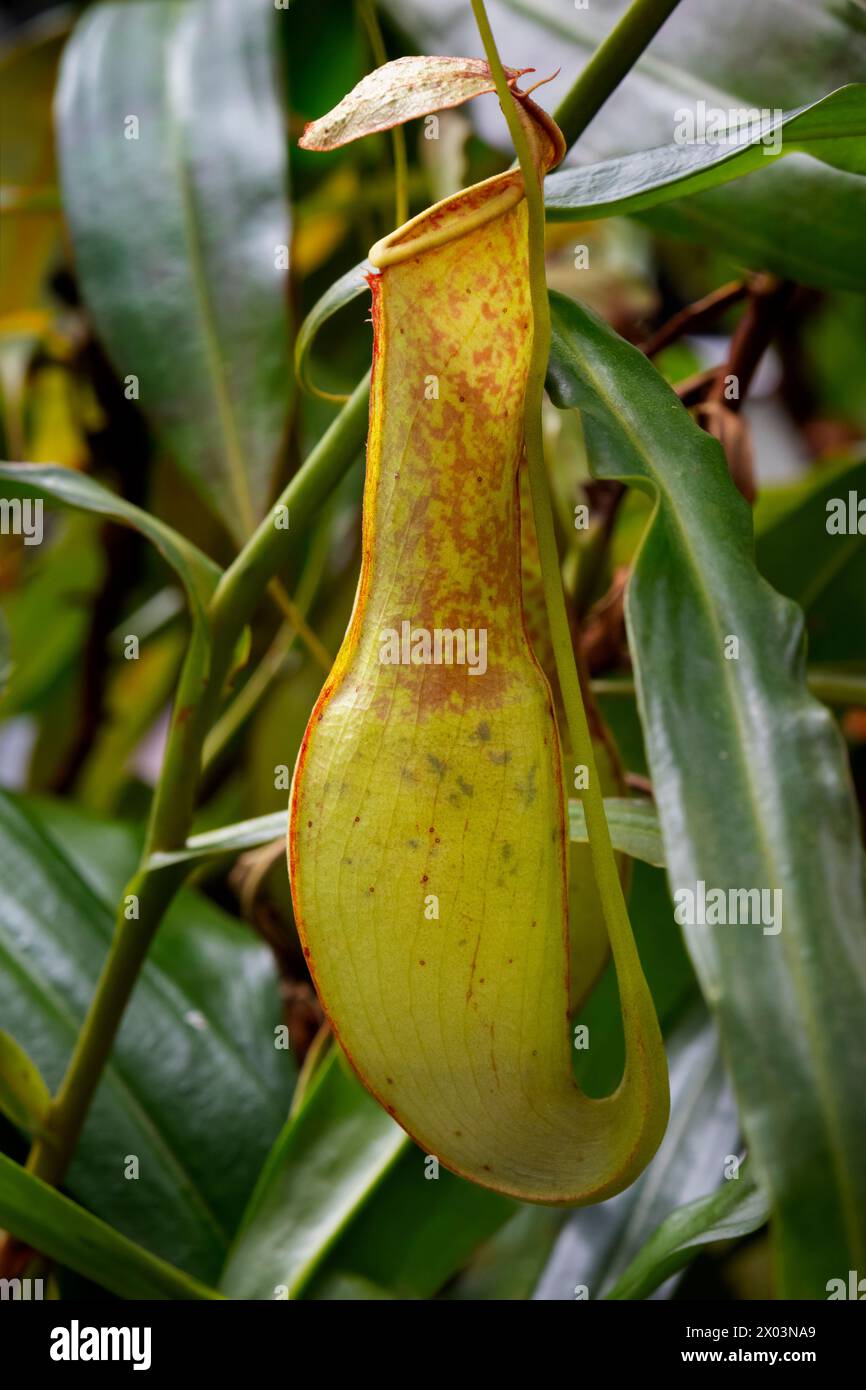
(695,316)
(610,63)
(50,1155)
(248,576)
(235,715)
(293,614)
(769,302)
(398,137)
(272,663)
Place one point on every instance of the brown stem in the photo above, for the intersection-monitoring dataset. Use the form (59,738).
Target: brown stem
(638,783)
(694,316)
(695,387)
(769,300)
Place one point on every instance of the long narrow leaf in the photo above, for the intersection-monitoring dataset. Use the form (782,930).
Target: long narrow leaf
(196,571)
(634,829)
(64,1231)
(753,793)
(195,1090)
(735,56)
(324,1165)
(738,1208)
(173,162)
(832,129)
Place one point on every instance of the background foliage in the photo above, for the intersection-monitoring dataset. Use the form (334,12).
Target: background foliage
(151,292)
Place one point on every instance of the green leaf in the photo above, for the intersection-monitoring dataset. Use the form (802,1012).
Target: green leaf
(197,573)
(195,1088)
(832,129)
(227,839)
(633,824)
(413,1232)
(797,217)
(634,829)
(63,578)
(509,1265)
(329,1157)
(176,226)
(737,1209)
(825,572)
(24,1097)
(65,1232)
(752,789)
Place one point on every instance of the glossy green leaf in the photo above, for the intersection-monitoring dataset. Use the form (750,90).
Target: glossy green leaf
(64,1231)
(104,853)
(832,129)
(737,1209)
(752,789)
(415,1230)
(329,1157)
(797,217)
(509,1266)
(195,1090)
(24,1097)
(177,224)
